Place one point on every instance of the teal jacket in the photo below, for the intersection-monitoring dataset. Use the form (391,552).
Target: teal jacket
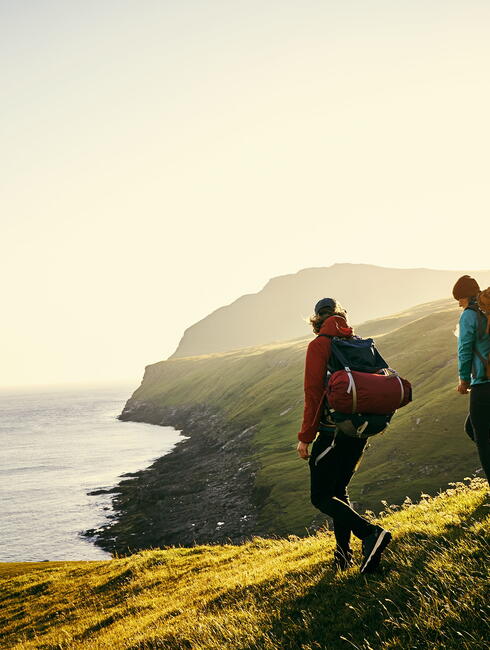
(473,343)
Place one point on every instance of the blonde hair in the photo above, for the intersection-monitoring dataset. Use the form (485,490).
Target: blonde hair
(318,320)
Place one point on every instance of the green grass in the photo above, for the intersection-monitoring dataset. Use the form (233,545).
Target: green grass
(424,449)
(270,593)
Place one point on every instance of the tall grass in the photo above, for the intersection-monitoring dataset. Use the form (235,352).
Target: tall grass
(271,593)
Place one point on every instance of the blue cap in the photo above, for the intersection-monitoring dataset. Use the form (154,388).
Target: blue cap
(325,303)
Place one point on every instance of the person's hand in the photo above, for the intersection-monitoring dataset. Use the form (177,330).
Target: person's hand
(302,450)
(463,387)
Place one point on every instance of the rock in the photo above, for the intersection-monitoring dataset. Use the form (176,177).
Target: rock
(207,475)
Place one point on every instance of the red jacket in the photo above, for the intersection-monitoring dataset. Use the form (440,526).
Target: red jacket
(317,356)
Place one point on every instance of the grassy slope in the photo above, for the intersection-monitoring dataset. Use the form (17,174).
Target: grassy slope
(270,593)
(263,386)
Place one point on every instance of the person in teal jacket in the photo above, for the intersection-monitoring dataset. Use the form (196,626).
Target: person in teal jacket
(473,355)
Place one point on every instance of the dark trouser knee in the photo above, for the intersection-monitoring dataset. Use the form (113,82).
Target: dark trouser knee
(321,502)
(325,503)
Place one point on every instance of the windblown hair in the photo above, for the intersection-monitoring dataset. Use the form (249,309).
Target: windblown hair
(318,320)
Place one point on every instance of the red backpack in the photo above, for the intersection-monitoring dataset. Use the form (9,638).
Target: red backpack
(361,381)
(362,391)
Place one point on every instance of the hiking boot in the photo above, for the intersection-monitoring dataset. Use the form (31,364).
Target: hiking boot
(372,547)
(342,559)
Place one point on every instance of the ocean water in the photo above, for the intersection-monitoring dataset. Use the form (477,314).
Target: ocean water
(55,447)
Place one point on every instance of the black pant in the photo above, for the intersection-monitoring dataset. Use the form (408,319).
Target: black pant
(480,420)
(333,460)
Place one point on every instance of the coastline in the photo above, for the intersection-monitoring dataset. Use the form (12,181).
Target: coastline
(59,446)
(185,497)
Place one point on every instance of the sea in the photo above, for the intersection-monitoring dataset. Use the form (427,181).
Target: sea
(56,446)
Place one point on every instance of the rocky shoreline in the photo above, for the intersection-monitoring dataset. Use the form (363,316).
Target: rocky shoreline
(202,492)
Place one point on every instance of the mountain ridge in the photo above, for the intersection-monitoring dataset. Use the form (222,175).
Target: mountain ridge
(280,310)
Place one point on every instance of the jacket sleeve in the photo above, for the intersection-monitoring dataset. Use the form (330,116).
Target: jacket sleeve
(466,342)
(317,356)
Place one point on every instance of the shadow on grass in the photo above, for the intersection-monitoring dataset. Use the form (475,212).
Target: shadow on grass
(352,610)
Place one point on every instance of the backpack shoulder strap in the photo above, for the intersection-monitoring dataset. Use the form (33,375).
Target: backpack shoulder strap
(335,353)
(483,323)
(481,331)
(482,320)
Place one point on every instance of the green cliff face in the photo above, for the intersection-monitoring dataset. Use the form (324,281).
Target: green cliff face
(260,390)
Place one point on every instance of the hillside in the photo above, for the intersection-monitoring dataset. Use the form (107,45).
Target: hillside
(238,474)
(278,312)
(270,593)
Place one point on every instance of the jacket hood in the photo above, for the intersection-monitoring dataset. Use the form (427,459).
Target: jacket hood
(336,326)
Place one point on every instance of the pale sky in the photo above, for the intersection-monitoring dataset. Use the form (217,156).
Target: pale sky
(160,159)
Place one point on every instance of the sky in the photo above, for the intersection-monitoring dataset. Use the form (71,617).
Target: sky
(161,159)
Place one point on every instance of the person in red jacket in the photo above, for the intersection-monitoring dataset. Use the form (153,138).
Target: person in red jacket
(334,457)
